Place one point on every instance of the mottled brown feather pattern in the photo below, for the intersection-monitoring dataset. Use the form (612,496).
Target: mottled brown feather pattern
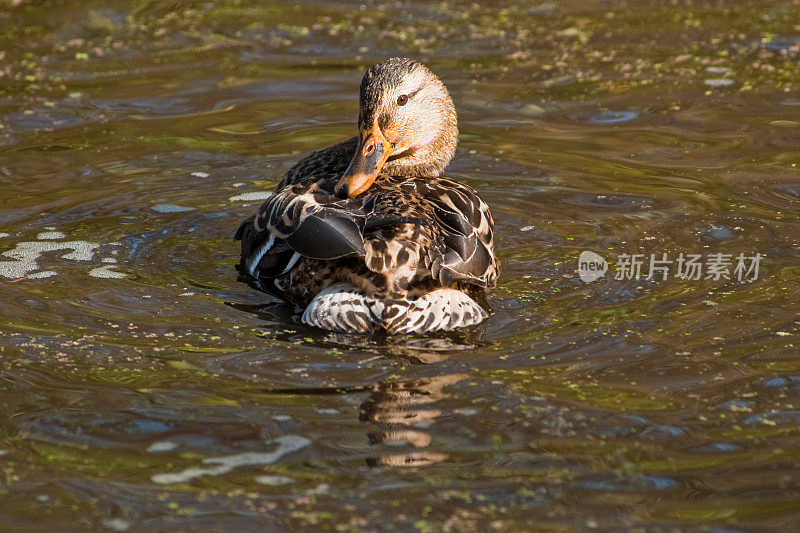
(394,246)
(401,260)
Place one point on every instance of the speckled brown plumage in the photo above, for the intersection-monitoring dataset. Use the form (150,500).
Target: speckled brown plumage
(401,239)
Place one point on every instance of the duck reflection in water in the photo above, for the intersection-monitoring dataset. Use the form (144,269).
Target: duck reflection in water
(402,412)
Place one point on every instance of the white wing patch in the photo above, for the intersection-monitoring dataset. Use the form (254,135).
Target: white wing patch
(295,258)
(343,308)
(253,260)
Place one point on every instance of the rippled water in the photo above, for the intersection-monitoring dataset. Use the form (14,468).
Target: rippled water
(144,388)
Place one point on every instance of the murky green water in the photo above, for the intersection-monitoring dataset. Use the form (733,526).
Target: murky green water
(143,388)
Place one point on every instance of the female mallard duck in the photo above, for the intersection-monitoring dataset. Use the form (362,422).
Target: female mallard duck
(365,235)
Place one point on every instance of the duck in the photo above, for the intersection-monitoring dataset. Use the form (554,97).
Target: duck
(367,235)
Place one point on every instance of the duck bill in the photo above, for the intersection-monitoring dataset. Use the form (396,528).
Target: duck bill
(372,152)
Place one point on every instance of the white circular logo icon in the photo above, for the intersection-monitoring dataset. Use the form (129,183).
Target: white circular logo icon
(591,266)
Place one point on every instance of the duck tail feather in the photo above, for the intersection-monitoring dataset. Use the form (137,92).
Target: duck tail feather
(442,309)
(343,308)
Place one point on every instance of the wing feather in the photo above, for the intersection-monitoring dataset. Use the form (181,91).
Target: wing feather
(305,223)
(462,250)
(399,226)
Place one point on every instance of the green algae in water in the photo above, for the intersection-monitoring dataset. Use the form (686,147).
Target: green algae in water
(152,129)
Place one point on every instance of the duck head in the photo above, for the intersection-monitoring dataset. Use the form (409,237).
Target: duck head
(407,126)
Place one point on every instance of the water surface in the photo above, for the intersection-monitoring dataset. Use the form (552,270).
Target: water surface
(144,388)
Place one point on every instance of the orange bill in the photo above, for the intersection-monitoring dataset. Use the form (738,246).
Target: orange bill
(372,152)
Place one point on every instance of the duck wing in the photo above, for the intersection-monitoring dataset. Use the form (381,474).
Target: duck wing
(302,219)
(295,222)
(398,226)
(462,248)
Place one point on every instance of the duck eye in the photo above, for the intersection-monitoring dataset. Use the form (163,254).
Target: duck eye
(402,99)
